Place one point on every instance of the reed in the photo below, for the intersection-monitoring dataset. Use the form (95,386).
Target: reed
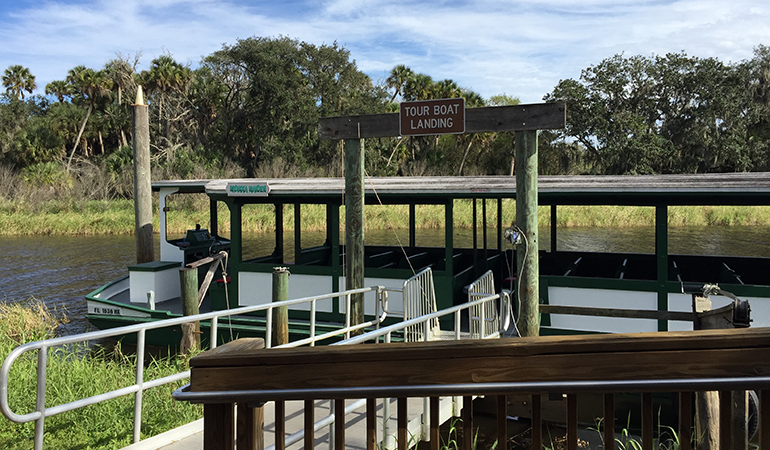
(77,372)
(99,217)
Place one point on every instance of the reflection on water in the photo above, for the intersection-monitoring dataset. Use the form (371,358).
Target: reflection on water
(60,270)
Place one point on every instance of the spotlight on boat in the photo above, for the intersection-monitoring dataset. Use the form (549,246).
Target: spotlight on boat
(513,235)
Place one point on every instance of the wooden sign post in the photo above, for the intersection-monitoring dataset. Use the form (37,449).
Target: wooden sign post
(442,117)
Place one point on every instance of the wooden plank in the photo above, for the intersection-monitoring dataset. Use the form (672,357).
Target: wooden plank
(572,419)
(764,419)
(502,421)
(685,420)
(222,354)
(609,421)
(725,419)
(435,423)
(537,423)
(309,436)
(539,116)
(371,424)
(249,430)
(468,422)
(648,419)
(652,364)
(401,421)
(339,424)
(540,345)
(280,425)
(218,426)
(613,312)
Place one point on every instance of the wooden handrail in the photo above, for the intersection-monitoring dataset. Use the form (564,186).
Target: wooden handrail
(637,357)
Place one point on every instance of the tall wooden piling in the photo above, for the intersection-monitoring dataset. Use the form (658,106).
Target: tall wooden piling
(526,219)
(354,225)
(140,130)
(191,336)
(280,314)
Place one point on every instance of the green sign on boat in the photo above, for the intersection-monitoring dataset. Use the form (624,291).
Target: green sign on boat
(247,189)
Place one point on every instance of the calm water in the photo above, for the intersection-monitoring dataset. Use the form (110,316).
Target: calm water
(61,270)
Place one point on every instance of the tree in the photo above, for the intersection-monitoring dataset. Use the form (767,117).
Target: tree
(17,80)
(661,114)
(89,87)
(59,89)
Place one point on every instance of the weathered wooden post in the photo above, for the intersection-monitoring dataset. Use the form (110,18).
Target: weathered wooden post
(526,219)
(142,180)
(448,116)
(354,225)
(191,337)
(281,313)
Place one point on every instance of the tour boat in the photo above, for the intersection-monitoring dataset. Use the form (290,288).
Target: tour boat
(568,277)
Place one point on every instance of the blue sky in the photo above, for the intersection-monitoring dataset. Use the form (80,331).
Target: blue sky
(520,48)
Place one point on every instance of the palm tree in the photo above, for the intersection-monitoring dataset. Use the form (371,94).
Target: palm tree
(59,89)
(18,79)
(165,77)
(89,86)
(398,79)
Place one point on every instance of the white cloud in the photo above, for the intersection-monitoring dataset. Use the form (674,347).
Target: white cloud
(520,48)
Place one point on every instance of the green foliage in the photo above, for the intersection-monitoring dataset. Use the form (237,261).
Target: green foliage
(17,80)
(77,372)
(46,174)
(666,114)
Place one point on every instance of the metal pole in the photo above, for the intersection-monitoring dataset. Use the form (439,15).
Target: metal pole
(354,225)
(142,180)
(526,219)
(281,314)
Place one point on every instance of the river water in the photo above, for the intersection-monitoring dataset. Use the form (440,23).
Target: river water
(61,270)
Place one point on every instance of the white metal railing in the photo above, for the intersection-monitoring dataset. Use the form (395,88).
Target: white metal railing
(499,302)
(42,347)
(485,318)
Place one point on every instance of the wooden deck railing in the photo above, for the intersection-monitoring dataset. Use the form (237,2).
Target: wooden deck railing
(684,362)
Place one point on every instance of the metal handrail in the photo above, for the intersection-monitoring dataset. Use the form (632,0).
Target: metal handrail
(454,310)
(140,385)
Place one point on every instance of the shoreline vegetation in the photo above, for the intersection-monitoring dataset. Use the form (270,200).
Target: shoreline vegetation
(105,217)
(77,372)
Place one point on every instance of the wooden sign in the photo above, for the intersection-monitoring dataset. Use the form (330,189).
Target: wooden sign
(430,117)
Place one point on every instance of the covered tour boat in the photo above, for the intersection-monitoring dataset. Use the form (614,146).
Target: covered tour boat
(579,277)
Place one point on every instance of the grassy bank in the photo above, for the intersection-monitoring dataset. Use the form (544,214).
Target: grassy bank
(93,217)
(79,372)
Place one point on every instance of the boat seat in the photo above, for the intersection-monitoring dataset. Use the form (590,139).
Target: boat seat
(484,317)
(420,299)
(573,267)
(728,275)
(621,272)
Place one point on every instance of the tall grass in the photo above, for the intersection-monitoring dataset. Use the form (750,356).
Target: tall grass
(98,217)
(77,372)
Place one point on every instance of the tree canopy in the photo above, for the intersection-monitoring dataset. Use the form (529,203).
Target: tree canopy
(253,108)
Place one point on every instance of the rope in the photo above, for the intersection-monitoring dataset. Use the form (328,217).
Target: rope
(390,223)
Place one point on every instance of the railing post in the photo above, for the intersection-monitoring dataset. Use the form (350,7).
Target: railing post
(371,424)
(609,422)
(685,420)
(42,361)
(139,382)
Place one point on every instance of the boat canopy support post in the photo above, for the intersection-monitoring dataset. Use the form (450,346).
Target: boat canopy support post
(354,225)
(145,251)
(526,220)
